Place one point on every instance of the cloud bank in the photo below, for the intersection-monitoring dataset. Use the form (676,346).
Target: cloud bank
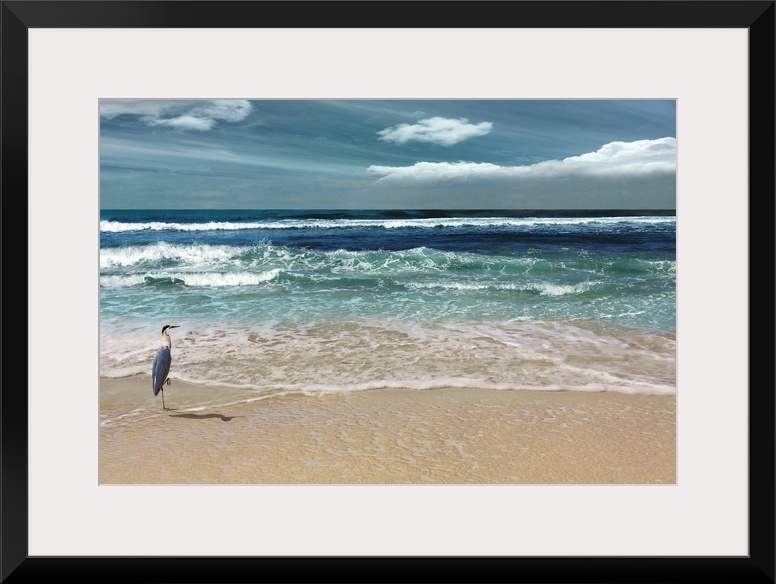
(180,115)
(639,158)
(436,130)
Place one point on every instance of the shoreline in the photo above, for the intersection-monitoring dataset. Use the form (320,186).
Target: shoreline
(214,435)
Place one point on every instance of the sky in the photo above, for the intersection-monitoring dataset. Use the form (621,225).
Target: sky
(387,154)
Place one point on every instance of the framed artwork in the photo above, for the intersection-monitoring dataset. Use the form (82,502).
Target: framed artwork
(462,298)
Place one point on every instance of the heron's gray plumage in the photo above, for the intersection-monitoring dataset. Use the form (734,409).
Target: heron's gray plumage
(161,368)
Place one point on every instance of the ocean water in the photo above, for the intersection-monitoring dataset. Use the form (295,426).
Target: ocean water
(326,301)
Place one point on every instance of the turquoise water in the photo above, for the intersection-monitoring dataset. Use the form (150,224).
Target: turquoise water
(316,301)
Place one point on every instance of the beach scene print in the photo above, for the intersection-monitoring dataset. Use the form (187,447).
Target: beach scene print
(387,291)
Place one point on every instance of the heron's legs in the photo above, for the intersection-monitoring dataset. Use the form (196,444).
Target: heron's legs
(168,382)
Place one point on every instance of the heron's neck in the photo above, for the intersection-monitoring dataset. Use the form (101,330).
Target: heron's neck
(167,341)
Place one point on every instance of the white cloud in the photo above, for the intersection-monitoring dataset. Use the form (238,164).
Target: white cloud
(432,171)
(185,122)
(232,110)
(643,157)
(436,130)
(182,115)
(640,157)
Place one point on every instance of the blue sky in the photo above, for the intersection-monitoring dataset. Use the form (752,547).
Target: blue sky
(388,154)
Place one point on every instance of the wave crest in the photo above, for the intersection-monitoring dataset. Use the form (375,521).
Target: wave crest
(110,226)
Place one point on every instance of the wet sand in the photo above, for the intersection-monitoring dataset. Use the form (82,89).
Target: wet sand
(215,435)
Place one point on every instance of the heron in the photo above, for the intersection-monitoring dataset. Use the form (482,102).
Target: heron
(162,363)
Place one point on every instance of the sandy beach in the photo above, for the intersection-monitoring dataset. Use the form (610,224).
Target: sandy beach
(218,435)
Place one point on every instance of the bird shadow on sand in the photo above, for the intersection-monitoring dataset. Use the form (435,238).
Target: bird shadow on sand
(222,417)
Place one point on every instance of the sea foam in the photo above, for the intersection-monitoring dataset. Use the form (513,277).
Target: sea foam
(111,226)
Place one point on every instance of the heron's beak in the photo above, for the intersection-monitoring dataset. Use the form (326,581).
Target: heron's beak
(176,326)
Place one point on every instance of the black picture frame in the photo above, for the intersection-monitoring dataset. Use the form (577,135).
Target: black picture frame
(756,16)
